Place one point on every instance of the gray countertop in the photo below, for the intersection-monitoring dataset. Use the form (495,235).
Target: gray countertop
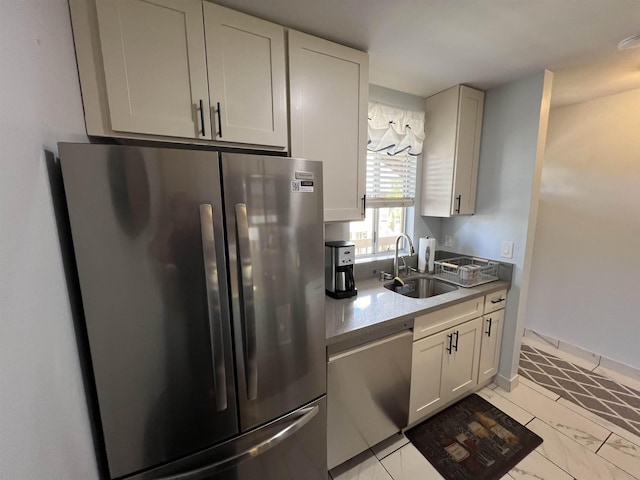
(376,311)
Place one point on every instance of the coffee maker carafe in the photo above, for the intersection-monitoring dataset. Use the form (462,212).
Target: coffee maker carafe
(339,259)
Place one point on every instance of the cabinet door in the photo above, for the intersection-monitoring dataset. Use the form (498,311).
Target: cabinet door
(427,379)
(329,89)
(469,127)
(460,366)
(441,122)
(490,348)
(247,81)
(453,125)
(155,67)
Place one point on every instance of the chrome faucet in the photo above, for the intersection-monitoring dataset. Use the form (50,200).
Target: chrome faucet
(412,252)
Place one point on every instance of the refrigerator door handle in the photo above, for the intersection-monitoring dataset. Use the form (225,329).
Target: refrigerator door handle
(304,417)
(213,303)
(247,305)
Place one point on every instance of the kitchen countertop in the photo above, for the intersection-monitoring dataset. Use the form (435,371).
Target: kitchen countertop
(376,311)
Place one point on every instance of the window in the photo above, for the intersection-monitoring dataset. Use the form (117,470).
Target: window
(390,178)
(378,231)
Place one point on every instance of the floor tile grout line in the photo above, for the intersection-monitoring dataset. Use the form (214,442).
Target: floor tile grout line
(620,467)
(385,468)
(605,441)
(582,446)
(542,455)
(390,453)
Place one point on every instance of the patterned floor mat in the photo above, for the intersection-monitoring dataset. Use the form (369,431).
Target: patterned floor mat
(473,440)
(601,395)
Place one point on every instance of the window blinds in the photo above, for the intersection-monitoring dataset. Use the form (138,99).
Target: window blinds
(391,179)
(395,140)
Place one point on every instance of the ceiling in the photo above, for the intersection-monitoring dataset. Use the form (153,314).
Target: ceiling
(424,46)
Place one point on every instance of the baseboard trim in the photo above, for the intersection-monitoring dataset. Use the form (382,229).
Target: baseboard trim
(507,384)
(599,360)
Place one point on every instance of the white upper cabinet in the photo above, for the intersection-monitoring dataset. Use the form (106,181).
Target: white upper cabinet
(154,66)
(329,89)
(148,67)
(453,127)
(247,80)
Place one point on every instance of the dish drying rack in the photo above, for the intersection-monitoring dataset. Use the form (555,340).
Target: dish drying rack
(466,271)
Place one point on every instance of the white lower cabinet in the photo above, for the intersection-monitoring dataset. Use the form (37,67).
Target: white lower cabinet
(490,345)
(454,350)
(444,366)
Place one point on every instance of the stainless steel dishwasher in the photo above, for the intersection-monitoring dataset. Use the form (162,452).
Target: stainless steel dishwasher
(367,395)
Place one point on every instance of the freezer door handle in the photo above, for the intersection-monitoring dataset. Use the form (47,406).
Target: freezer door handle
(304,416)
(247,305)
(213,304)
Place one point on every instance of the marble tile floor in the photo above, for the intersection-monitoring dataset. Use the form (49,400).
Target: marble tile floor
(578,444)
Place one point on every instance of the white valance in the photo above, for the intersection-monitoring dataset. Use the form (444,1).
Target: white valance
(393,130)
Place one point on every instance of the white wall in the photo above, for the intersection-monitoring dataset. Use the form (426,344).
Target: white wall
(44,427)
(586,267)
(513,132)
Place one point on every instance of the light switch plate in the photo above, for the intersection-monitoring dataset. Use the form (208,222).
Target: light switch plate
(507,250)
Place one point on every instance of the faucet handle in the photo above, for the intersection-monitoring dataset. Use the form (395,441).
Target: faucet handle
(385,276)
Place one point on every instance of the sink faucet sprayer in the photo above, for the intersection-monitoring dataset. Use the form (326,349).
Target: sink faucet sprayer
(396,267)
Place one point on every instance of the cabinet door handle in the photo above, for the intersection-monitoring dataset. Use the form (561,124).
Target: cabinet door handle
(498,300)
(219,115)
(450,337)
(455,347)
(202,117)
(459,200)
(488,332)
(363,213)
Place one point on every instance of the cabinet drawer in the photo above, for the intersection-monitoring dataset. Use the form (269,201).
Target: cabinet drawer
(495,301)
(447,317)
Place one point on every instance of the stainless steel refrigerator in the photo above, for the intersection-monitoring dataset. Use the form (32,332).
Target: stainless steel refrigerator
(202,281)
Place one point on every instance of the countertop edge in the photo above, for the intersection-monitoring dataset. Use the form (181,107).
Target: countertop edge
(370,315)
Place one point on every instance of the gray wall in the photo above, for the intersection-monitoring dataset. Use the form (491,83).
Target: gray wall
(513,132)
(417,226)
(584,278)
(44,429)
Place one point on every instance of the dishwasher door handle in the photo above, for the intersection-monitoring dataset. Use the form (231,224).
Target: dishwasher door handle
(367,346)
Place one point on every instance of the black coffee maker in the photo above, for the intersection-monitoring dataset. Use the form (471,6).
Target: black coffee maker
(339,259)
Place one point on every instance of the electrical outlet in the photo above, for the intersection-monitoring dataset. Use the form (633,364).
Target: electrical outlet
(506,251)
(448,241)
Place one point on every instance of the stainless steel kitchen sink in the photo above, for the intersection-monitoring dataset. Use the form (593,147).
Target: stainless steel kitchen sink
(421,287)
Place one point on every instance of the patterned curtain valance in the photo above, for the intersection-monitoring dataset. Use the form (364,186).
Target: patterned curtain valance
(393,130)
